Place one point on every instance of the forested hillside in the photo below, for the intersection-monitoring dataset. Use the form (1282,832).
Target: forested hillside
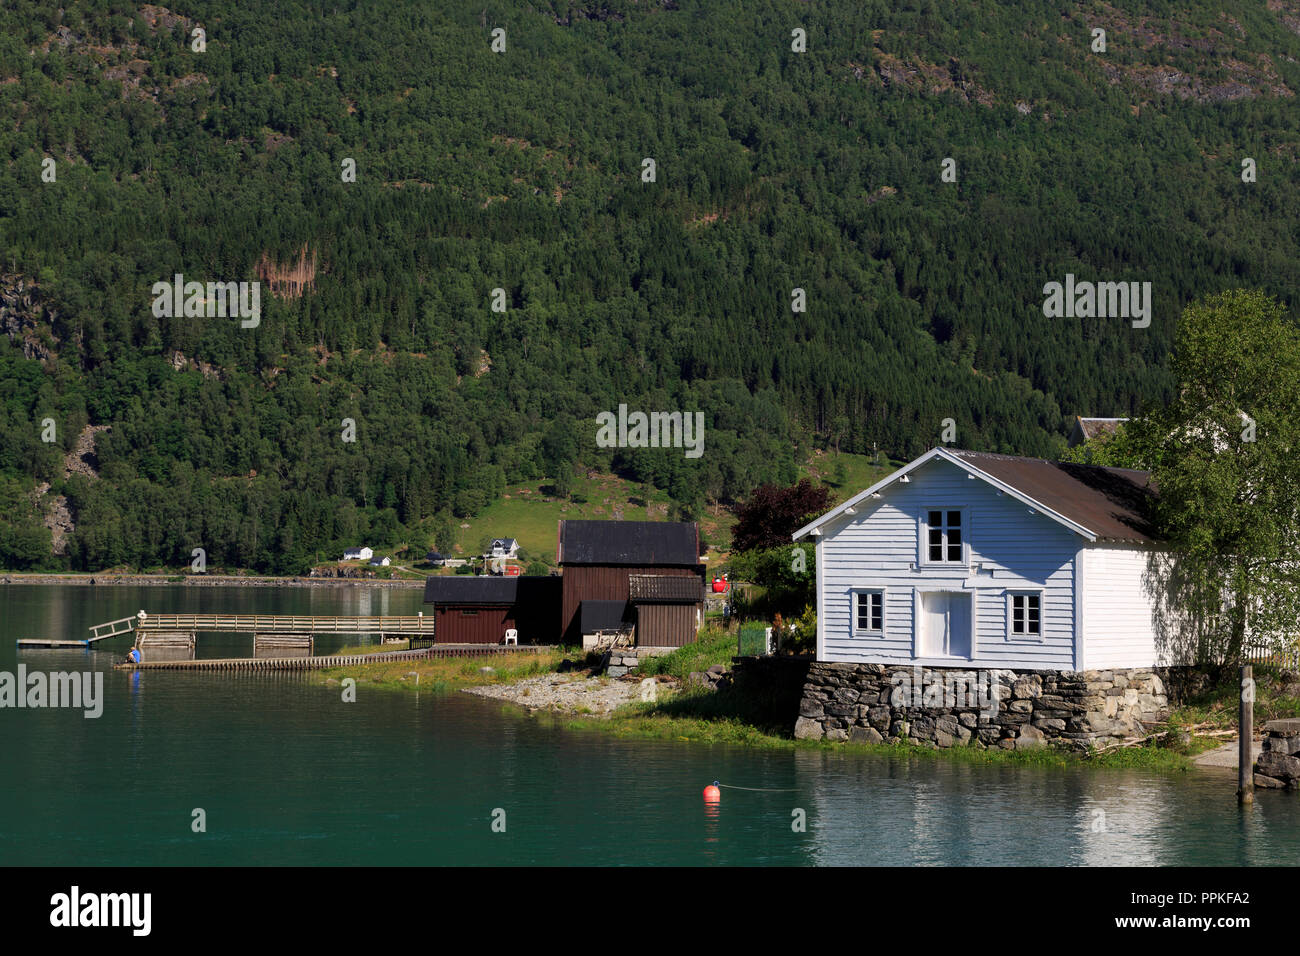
(523,170)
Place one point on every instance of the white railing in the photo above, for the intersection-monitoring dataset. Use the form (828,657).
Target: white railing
(1288,658)
(287,623)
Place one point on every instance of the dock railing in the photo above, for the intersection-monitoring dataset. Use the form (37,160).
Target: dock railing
(266,624)
(100,632)
(287,623)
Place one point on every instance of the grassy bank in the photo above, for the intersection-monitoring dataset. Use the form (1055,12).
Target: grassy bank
(722,717)
(1277,696)
(442,673)
(728,716)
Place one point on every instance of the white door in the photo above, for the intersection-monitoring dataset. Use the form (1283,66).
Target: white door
(945,624)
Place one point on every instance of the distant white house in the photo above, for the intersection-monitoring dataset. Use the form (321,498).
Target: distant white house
(358,554)
(503,548)
(966,559)
(380,562)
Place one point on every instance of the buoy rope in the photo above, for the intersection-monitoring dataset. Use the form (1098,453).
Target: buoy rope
(757,789)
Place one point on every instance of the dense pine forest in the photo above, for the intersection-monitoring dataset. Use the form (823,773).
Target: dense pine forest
(139,438)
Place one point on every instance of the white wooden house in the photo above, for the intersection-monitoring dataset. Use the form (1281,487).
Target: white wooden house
(358,554)
(967,559)
(503,548)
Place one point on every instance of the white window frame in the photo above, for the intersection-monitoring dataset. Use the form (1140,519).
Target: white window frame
(1026,638)
(923,537)
(856,595)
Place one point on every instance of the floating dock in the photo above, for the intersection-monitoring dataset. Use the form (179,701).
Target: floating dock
(42,642)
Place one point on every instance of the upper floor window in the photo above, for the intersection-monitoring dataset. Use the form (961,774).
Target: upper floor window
(943,536)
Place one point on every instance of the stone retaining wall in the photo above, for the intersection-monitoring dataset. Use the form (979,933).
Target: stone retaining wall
(945,707)
(625,660)
(1278,764)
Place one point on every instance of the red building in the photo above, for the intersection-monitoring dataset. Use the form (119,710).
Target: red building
(479,610)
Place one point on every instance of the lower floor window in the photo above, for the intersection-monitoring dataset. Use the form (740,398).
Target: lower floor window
(871,610)
(1026,615)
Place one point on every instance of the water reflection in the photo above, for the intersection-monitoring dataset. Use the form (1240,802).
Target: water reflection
(295,776)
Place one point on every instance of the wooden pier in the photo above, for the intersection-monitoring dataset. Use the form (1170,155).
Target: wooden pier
(406,624)
(286,624)
(331,660)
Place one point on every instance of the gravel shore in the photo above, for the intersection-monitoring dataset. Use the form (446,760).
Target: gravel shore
(569,694)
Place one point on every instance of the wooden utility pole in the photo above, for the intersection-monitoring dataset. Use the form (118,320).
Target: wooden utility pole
(1245,733)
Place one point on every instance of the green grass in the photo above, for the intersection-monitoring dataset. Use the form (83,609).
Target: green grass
(529,516)
(859,472)
(1216,708)
(713,647)
(441,674)
(533,519)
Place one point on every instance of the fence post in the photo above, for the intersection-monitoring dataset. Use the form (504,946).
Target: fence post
(1245,731)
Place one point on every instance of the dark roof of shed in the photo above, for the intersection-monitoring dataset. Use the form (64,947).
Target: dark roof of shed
(670,543)
(602,616)
(1112,503)
(671,588)
(464,589)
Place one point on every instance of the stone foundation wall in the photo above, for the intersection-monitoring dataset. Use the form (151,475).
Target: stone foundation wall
(1278,764)
(875,703)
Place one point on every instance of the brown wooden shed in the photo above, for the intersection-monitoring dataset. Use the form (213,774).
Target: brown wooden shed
(600,558)
(479,610)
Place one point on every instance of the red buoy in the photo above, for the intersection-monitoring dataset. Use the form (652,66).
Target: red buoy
(711,793)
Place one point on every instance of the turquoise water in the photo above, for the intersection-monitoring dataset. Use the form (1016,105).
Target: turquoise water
(287,773)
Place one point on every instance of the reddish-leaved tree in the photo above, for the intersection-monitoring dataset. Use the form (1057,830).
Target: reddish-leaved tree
(773,513)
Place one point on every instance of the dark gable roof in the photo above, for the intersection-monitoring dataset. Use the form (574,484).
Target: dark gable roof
(1112,503)
(644,543)
(525,590)
(464,589)
(665,588)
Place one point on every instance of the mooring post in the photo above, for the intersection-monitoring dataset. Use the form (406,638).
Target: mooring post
(1245,732)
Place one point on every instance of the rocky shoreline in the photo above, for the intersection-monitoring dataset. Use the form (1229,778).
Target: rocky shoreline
(572,694)
(207,580)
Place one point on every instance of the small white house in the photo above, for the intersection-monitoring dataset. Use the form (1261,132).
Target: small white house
(503,548)
(358,554)
(974,560)
(380,562)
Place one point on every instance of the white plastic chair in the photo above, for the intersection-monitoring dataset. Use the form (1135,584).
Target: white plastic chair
(512,636)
